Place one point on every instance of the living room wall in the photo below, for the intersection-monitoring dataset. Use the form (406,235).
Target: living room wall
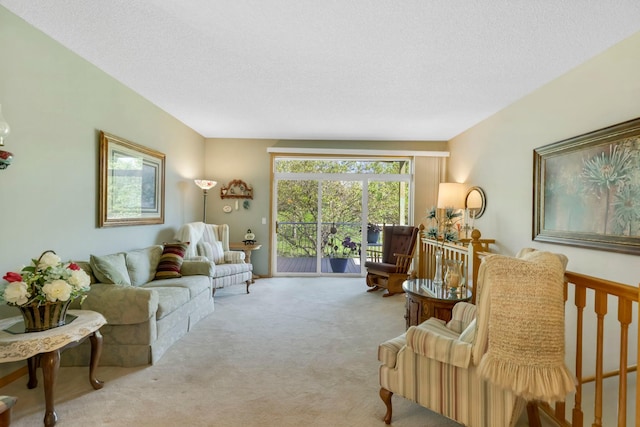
(56,103)
(497,154)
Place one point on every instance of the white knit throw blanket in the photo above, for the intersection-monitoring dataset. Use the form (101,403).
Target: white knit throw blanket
(526,325)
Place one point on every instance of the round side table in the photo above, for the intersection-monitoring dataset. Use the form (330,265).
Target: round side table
(43,348)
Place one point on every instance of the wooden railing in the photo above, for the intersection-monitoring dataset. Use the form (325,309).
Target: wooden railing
(469,252)
(625,296)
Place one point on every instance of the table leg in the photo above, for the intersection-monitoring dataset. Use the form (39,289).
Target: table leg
(50,362)
(32,365)
(96,350)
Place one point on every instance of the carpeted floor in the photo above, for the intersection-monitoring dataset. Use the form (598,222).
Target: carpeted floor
(294,352)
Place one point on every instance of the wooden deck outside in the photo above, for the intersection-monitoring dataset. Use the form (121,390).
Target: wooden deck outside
(308,265)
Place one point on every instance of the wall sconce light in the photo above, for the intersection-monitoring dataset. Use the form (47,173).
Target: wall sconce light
(205,185)
(5,157)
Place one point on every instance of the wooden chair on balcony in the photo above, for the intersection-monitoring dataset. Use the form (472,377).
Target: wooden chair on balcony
(398,243)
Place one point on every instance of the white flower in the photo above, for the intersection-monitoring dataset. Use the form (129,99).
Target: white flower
(58,290)
(16,293)
(79,279)
(48,259)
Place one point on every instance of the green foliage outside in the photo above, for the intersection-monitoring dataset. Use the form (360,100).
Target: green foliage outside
(341,202)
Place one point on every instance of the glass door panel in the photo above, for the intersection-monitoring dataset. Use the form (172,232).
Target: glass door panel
(341,229)
(297,226)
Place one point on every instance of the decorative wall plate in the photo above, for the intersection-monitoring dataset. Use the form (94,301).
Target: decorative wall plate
(227,208)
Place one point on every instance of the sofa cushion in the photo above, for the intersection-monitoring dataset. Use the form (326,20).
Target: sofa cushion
(224,270)
(171,260)
(142,264)
(110,268)
(195,284)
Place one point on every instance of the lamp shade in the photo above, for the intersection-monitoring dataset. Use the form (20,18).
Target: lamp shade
(205,184)
(451,195)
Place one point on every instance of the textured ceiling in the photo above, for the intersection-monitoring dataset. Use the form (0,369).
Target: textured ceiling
(331,69)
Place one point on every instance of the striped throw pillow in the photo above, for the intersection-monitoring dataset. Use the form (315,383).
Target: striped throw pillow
(171,260)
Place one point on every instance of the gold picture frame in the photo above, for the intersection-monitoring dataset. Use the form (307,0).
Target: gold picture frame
(131,183)
(586,190)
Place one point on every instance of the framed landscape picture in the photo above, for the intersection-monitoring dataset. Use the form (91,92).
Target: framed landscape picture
(131,183)
(586,190)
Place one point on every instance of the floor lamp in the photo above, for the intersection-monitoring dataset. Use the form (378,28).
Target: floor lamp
(205,185)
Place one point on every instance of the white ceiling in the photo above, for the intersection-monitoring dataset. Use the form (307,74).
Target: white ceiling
(331,69)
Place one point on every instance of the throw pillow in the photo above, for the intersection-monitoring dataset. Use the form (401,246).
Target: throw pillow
(218,253)
(204,249)
(171,260)
(142,264)
(110,269)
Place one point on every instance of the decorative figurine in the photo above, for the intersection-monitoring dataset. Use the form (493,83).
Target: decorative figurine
(249,238)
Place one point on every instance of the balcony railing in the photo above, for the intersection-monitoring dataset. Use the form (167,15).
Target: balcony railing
(297,245)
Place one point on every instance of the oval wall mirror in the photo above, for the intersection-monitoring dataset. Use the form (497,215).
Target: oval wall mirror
(476,202)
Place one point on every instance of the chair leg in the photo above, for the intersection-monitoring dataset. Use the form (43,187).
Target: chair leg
(248,283)
(385,395)
(533,414)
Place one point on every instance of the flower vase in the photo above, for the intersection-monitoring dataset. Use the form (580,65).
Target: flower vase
(437,278)
(453,277)
(45,316)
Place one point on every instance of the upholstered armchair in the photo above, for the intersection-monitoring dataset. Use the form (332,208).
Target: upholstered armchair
(483,367)
(398,243)
(211,241)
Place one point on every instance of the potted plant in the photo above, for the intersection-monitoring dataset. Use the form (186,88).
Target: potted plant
(43,290)
(340,251)
(373,233)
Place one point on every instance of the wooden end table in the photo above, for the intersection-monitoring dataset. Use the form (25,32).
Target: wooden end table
(43,349)
(425,300)
(247,252)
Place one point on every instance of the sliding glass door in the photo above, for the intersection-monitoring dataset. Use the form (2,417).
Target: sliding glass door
(324,209)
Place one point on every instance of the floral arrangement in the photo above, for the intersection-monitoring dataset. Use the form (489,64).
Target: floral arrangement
(47,279)
(446,233)
(373,228)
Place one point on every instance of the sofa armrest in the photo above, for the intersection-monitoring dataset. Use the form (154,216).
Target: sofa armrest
(121,304)
(435,341)
(194,268)
(234,257)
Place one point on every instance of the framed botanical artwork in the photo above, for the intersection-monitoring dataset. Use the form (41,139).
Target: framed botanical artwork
(131,183)
(586,190)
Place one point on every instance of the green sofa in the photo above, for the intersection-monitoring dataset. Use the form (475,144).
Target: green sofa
(145,315)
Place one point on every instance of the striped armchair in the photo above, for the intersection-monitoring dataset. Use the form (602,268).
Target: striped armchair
(483,367)
(431,364)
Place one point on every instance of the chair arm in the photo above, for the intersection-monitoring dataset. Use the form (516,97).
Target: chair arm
(462,315)
(388,350)
(403,262)
(434,340)
(121,304)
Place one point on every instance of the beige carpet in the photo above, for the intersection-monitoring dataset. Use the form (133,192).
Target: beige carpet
(295,352)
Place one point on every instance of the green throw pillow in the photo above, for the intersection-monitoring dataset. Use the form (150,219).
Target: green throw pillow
(110,269)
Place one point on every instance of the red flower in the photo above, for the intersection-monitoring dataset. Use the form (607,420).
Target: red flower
(12,277)
(74,266)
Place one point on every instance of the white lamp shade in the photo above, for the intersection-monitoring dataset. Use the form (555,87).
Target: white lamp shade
(204,183)
(451,195)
